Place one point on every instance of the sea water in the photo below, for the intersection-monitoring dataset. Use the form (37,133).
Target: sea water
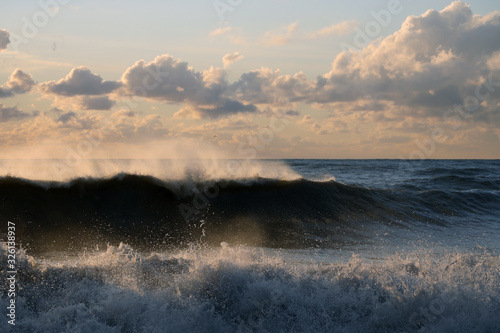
(255,246)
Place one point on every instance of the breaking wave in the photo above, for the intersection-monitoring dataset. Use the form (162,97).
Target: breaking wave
(150,213)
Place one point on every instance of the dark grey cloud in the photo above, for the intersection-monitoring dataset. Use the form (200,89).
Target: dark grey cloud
(11,113)
(97,103)
(4,93)
(80,81)
(65,117)
(252,87)
(228,107)
(441,98)
(292,113)
(4,39)
(394,139)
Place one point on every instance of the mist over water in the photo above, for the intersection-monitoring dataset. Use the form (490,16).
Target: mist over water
(168,170)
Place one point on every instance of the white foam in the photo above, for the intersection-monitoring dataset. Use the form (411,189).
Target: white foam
(251,289)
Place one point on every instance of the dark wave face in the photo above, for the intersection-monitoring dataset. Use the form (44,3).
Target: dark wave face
(149,213)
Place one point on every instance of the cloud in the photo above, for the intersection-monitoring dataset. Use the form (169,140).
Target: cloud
(220,126)
(226,107)
(267,86)
(65,117)
(233,34)
(434,61)
(11,113)
(229,58)
(165,78)
(58,128)
(394,139)
(219,131)
(172,80)
(4,39)
(20,82)
(285,34)
(124,113)
(327,126)
(81,103)
(97,103)
(338,29)
(281,37)
(5,92)
(80,81)
(136,130)
(221,31)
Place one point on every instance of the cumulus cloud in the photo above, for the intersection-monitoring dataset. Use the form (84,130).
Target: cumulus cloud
(172,80)
(229,58)
(165,78)
(80,81)
(20,82)
(432,62)
(11,113)
(389,91)
(267,86)
(4,39)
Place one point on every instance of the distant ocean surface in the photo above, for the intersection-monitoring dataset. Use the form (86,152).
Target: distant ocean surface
(253,246)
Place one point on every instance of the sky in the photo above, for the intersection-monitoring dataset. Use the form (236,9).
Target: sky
(249,79)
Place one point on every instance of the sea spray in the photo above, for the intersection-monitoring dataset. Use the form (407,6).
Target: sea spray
(243,289)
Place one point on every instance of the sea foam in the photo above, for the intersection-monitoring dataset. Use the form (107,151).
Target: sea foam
(242,289)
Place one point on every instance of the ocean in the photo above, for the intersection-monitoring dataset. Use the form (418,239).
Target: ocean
(250,246)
